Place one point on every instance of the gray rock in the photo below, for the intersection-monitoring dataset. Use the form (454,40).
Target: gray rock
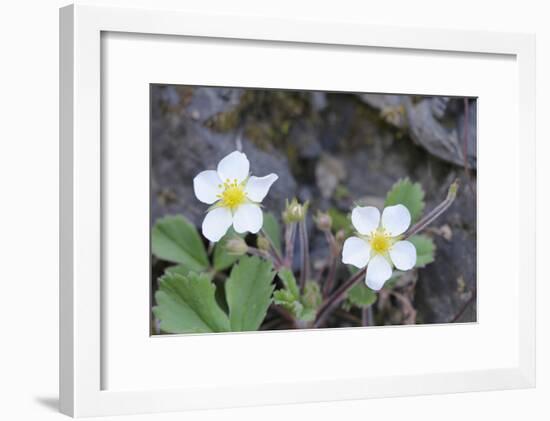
(304,135)
(207,102)
(319,101)
(329,173)
(434,123)
(447,287)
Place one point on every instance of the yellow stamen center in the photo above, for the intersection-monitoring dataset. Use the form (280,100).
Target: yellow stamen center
(380,241)
(233,194)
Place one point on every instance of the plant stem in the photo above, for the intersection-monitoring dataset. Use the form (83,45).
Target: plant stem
(264,254)
(465,145)
(365,316)
(336,298)
(464,307)
(257,252)
(329,281)
(409,312)
(304,249)
(320,272)
(277,256)
(371,316)
(435,213)
(290,234)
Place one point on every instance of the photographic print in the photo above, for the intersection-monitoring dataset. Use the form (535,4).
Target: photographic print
(281,209)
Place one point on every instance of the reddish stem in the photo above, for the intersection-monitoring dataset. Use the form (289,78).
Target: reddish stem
(435,213)
(304,251)
(465,144)
(337,297)
(277,264)
(289,243)
(464,307)
(276,255)
(365,316)
(329,281)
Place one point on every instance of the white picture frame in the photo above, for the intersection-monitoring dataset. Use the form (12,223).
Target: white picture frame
(84,319)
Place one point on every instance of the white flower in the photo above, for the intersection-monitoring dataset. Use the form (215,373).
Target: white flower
(378,243)
(234,195)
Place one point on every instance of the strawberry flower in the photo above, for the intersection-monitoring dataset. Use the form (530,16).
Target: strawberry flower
(235,196)
(378,243)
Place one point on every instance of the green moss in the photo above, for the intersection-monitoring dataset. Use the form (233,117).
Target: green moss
(266,118)
(360,134)
(224,122)
(341,192)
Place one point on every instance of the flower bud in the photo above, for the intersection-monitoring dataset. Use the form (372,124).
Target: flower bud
(323,221)
(262,243)
(340,236)
(236,246)
(294,211)
(312,297)
(453,188)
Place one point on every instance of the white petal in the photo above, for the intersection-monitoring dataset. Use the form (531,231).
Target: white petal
(378,272)
(248,218)
(403,255)
(216,223)
(234,166)
(396,219)
(365,219)
(257,187)
(207,186)
(356,252)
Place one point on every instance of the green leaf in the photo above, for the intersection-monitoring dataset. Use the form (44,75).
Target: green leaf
(284,298)
(289,281)
(361,296)
(308,314)
(303,307)
(409,194)
(178,269)
(425,249)
(184,271)
(273,229)
(175,239)
(248,291)
(186,304)
(340,221)
(222,259)
(312,297)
